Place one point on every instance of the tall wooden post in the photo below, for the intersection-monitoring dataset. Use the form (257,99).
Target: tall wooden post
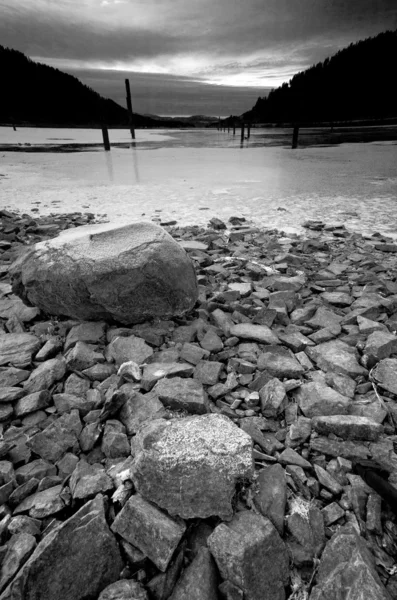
(248,131)
(234,128)
(242,130)
(129,108)
(295,137)
(105,136)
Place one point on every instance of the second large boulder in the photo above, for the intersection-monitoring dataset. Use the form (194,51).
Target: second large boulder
(190,466)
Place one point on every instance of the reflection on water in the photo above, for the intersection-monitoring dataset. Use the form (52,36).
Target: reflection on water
(109,165)
(135,161)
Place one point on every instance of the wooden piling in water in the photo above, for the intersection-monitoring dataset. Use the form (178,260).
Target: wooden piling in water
(242,131)
(234,128)
(105,136)
(129,108)
(248,131)
(295,136)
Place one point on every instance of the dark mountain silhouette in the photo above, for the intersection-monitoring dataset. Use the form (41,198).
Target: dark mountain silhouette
(356,83)
(33,93)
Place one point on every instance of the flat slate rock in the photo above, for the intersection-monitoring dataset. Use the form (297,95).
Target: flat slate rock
(250,554)
(347,570)
(348,427)
(336,356)
(146,527)
(385,374)
(17,349)
(257,333)
(73,562)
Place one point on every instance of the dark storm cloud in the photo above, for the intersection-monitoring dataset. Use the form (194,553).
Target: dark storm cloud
(239,43)
(108,31)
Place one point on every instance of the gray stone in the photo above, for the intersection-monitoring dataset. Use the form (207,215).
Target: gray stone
(115,443)
(385,374)
(52,443)
(24,524)
(145,526)
(100,371)
(6,411)
(250,554)
(257,333)
(125,589)
(299,432)
(19,548)
(338,298)
(23,491)
(17,349)
(348,427)
(291,457)
(208,372)
(45,375)
(305,525)
(64,403)
(349,450)
(10,377)
(139,408)
(327,481)
(42,504)
(317,399)
(76,386)
(380,345)
(211,342)
(82,356)
(32,402)
(182,394)
(199,580)
(271,497)
(35,469)
(88,480)
(347,570)
(156,371)
(10,394)
(336,356)
(332,513)
(280,362)
(89,436)
(190,353)
(325,319)
(341,383)
(90,332)
(190,466)
(128,273)
(125,349)
(273,398)
(76,561)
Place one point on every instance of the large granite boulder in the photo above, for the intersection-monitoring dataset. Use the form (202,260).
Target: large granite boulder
(128,273)
(190,466)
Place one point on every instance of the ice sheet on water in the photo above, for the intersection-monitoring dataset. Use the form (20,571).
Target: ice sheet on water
(270,185)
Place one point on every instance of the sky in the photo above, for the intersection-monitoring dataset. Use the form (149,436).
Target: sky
(185,57)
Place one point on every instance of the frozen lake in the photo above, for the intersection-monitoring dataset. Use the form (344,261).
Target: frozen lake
(190,176)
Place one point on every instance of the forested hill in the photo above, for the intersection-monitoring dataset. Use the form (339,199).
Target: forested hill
(38,94)
(356,83)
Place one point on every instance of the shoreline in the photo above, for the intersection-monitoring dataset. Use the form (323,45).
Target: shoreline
(286,343)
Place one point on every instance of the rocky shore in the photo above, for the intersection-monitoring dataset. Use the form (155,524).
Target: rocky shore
(220,455)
